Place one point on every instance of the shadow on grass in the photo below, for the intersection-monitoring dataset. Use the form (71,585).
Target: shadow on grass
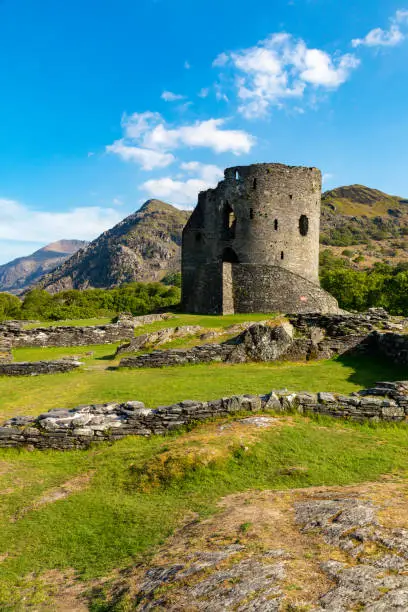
(369,369)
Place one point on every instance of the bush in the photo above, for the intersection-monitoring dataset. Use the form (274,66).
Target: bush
(382,285)
(137,298)
(10,306)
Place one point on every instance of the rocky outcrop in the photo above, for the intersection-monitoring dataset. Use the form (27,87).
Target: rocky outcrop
(78,428)
(36,368)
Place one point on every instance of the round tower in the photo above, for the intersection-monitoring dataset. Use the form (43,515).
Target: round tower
(277,216)
(252,243)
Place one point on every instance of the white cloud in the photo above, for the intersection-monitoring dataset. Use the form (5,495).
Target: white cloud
(21,223)
(118,201)
(147,158)
(209,173)
(282,68)
(169,96)
(221,60)
(203,93)
(187,65)
(184,192)
(378,37)
(148,140)
(208,134)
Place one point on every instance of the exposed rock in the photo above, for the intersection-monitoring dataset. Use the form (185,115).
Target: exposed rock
(158,337)
(142,247)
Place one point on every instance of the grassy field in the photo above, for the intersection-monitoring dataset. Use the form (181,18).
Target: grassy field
(70,323)
(96,511)
(96,383)
(84,514)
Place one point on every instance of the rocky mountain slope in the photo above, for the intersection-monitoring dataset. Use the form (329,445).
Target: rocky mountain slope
(355,214)
(18,274)
(365,225)
(142,247)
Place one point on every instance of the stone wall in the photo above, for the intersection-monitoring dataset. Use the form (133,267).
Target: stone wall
(258,343)
(393,346)
(5,350)
(35,368)
(75,336)
(79,427)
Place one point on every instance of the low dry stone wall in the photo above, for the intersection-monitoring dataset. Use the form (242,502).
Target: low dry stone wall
(78,428)
(75,336)
(35,368)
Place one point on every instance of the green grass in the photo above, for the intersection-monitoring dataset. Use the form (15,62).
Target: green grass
(207,321)
(112,524)
(70,323)
(28,395)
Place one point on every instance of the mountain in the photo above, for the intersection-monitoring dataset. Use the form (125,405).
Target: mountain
(142,247)
(18,274)
(355,214)
(372,225)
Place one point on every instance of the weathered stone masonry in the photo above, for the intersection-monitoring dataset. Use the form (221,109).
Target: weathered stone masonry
(78,428)
(14,334)
(252,244)
(36,368)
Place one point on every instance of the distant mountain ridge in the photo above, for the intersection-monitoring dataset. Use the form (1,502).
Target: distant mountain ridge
(143,247)
(19,274)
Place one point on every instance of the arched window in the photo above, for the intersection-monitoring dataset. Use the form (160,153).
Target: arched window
(275,224)
(237,177)
(282,255)
(303,225)
(229,221)
(198,237)
(254,183)
(229,256)
(251,213)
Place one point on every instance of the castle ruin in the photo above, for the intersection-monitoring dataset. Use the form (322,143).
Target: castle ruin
(252,244)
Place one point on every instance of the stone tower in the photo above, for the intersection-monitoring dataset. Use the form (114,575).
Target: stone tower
(252,243)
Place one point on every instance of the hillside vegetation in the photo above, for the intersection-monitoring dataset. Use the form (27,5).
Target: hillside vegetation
(357,214)
(136,298)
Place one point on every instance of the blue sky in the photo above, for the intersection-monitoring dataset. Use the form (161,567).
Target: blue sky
(105,104)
